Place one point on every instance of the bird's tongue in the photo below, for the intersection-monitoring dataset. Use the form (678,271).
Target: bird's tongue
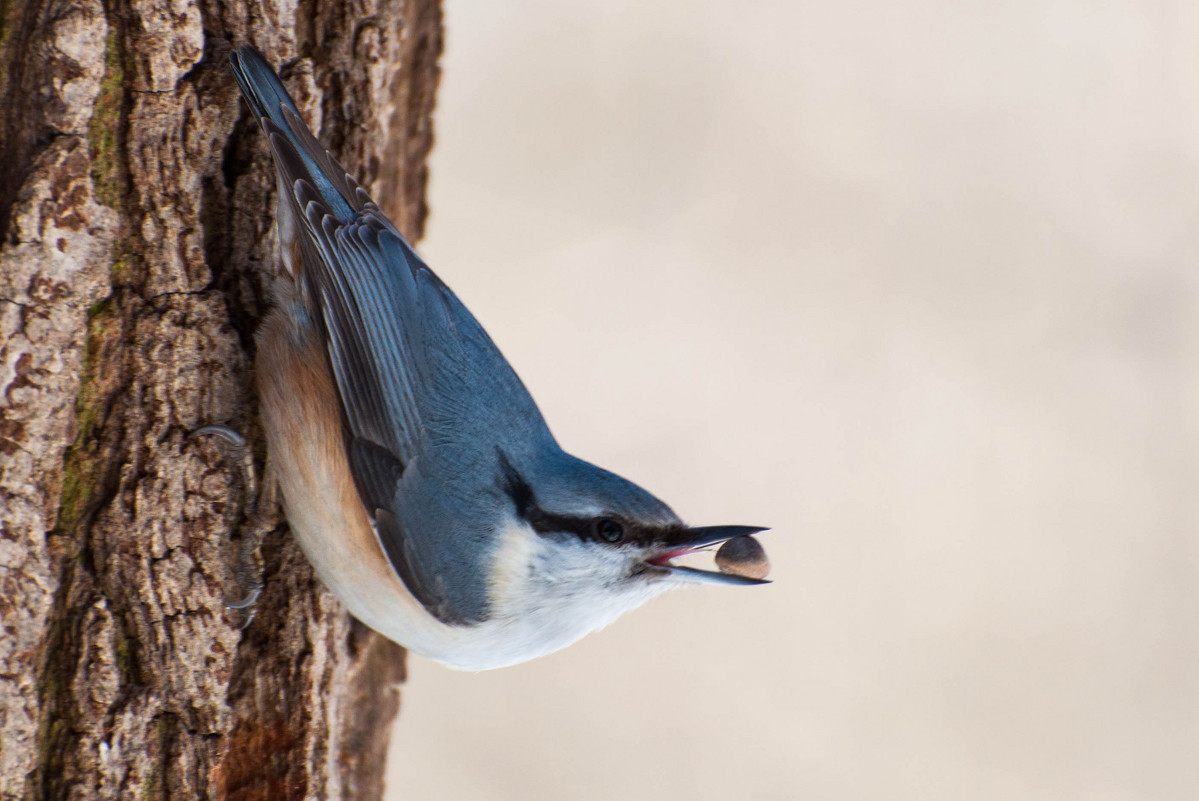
(663,559)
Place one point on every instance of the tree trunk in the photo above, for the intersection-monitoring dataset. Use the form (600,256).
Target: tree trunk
(137,206)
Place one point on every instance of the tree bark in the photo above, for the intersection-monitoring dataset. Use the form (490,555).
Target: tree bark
(137,207)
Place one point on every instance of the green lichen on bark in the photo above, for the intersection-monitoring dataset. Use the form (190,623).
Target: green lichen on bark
(105,129)
(82,465)
(5,27)
(50,740)
(8,19)
(54,730)
(121,266)
(8,26)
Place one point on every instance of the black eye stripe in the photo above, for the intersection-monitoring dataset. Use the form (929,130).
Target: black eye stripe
(547,523)
(585,528)
(607,528)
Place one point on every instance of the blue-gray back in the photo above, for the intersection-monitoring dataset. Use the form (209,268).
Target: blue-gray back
(431,406)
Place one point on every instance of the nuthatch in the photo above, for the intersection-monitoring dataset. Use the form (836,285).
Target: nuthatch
(415,469)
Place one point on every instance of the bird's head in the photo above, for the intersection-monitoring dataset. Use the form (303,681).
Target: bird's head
(585,545)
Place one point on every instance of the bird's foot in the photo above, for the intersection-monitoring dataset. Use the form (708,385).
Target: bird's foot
(256,519)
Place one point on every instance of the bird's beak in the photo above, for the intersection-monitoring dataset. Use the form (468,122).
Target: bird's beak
(691,540)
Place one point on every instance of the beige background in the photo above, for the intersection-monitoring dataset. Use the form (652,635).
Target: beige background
(914,283)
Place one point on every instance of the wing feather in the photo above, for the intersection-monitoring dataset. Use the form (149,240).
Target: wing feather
(429,402)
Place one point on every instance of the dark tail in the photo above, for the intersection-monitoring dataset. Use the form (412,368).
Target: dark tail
(261,86)
(302,157)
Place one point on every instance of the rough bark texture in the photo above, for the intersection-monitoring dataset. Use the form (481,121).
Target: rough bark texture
(136,208)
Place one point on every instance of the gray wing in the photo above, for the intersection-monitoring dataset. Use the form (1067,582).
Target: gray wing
(429,401)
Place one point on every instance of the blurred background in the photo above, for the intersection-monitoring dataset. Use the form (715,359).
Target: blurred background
(914,283)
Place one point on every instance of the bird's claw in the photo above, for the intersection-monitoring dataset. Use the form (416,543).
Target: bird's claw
(247,565)
(245,603)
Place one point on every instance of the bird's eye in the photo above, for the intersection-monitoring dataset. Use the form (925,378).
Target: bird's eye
(609,530)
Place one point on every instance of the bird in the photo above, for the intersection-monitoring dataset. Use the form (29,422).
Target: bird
(415,469)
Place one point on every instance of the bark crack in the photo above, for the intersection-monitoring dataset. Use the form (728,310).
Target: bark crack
(136,253)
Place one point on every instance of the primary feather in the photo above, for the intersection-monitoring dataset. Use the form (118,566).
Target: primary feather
(421,383)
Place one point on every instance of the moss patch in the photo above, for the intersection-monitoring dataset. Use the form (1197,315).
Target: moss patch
(104,130)
(81,466)
(8,24)
(121,267)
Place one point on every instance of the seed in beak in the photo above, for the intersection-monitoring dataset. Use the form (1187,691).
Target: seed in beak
(743,556)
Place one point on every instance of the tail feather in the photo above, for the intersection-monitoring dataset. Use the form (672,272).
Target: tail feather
(261,86)
(275,110)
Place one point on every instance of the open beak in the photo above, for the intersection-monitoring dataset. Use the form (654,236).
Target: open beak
(692,540)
